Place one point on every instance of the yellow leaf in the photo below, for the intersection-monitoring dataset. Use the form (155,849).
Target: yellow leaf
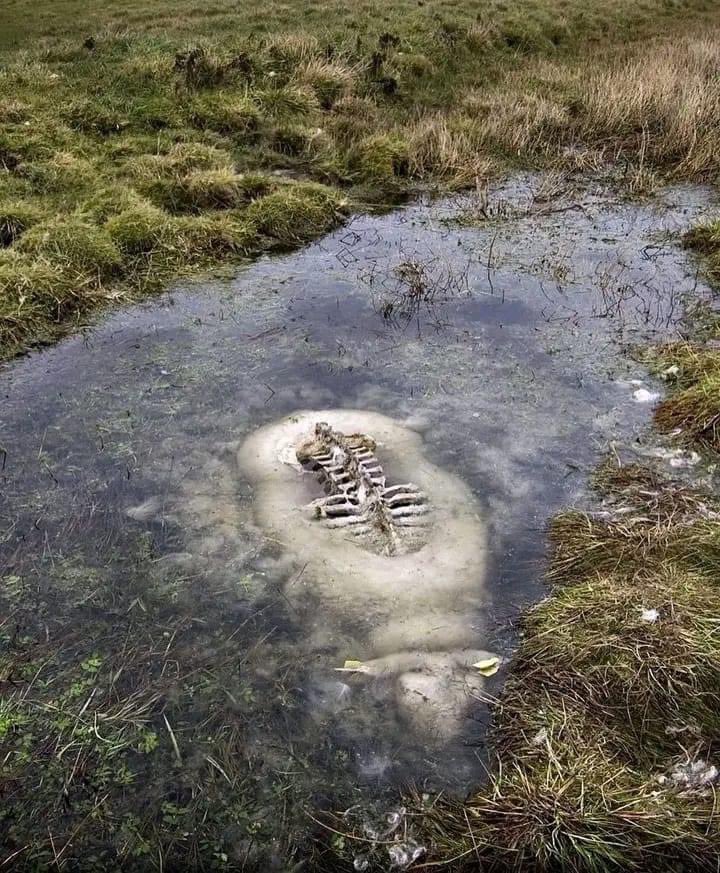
(352,665)
(488,666)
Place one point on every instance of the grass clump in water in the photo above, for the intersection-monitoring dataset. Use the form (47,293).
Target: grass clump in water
(706,239)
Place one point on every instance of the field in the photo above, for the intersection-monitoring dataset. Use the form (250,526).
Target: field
(138,145)
(145,142)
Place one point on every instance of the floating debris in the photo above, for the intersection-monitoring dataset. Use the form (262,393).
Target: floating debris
(642,395)
(692,776)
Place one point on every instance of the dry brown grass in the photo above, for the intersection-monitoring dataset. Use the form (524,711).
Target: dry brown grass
(667,100)
(654,106)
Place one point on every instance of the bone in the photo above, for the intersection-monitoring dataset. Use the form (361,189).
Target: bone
(359,495)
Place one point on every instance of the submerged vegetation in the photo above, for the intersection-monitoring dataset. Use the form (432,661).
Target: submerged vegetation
(130,156)
(130,732)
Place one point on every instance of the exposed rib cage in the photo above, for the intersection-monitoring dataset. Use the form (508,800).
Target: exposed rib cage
(389,518)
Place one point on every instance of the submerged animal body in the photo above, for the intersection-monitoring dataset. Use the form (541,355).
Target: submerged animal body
(402,560)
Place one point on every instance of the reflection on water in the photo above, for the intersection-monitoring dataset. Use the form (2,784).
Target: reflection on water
(505,343)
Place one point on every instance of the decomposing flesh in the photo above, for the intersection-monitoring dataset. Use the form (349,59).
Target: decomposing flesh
(401,558)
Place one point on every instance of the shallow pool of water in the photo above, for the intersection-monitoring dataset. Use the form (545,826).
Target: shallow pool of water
(505,342)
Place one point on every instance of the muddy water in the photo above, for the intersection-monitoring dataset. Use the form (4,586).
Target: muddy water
(503,340)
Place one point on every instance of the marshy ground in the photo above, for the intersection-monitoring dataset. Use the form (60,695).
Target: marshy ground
(555,335)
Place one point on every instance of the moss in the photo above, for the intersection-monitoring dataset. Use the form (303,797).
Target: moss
(296,212)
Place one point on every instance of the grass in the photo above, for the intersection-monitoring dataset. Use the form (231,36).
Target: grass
(691,410)
(706,239)
(610,699)
(138,144)
(196,120)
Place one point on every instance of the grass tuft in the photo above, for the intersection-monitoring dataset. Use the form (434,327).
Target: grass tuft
(610,699)
(296,213)
(286,102)
(73,244)
(15,218)
(706,239)
(691,410)
(330,80)
(230,115)
(140,229)
(383,158)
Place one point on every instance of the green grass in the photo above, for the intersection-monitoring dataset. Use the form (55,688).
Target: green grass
(196,119)
(691,410)
(605,704)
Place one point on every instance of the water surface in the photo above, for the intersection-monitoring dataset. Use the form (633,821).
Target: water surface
(506,341)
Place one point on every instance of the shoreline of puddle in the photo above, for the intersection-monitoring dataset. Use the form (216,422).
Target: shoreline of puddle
(516,372)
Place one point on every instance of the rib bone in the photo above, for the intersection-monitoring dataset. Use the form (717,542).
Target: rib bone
(358,497)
